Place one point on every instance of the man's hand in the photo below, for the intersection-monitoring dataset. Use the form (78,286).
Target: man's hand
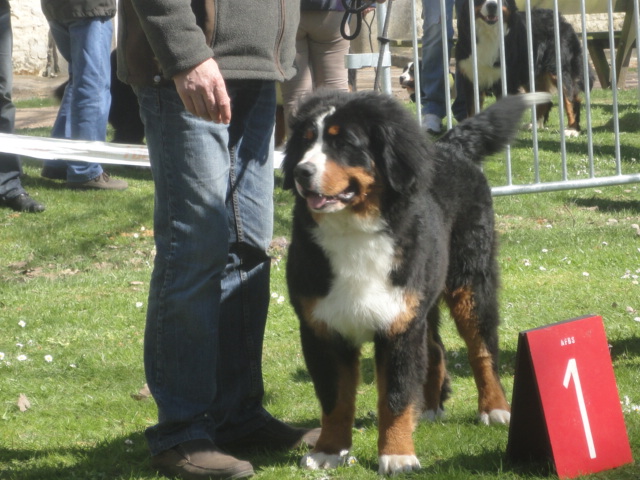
(204,93)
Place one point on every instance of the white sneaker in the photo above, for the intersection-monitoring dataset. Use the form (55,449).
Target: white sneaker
(432,123)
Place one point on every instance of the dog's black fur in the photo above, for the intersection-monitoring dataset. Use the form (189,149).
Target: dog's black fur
(516,56)
(124,114)
(386,224)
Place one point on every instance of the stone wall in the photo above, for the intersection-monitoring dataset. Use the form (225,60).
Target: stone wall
(30,37)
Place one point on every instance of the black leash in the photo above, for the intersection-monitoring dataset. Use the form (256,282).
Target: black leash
(357,7)
(353,7)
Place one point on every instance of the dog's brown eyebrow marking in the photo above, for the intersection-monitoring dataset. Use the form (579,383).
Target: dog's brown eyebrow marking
(308,134)
(333,130)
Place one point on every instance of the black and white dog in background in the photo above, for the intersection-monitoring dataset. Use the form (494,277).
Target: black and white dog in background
(486,17)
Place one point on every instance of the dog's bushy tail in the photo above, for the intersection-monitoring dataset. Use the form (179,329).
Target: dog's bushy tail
(491,130)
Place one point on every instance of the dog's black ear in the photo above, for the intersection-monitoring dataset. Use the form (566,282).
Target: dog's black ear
(288,164)
(293,151)
(400,153)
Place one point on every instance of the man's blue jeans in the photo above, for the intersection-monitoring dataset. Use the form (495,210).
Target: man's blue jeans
(86,46)
(209,291)
(10,168)
(432,74)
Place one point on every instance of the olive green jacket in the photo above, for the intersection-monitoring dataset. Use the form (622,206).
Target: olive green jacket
(65,10)
(249,39)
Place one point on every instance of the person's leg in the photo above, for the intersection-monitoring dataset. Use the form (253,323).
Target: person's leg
(294,89)
(432,74)
(190,166)
(10,168)
(237,408)
(327,49)
(12,194)
(86,45)
(57,169)
(241,421)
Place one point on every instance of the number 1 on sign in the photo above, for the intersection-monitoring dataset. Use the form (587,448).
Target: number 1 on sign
(572,371)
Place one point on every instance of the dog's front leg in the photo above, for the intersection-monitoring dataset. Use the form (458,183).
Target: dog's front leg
(400,367)
(334,366)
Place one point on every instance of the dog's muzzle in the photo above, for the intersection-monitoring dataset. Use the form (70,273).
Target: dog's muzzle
(306,179)
(304,175)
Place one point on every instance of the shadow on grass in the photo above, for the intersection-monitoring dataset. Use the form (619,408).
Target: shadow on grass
(624,348)
(608,205)
(488,462)
(125,457)
(118,458)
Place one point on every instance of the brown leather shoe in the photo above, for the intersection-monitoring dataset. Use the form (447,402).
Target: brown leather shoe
(200,459)
(101,182)
(274,435)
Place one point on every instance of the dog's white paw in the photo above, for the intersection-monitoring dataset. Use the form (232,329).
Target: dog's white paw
(324,461)
(571,133)
(497,416)
(392,464)
(433,415)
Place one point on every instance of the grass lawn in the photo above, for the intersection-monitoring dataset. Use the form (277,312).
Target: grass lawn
(73,296)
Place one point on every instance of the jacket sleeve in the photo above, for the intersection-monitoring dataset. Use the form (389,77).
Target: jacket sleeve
(173,33)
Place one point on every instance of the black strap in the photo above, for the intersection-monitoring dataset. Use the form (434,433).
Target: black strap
(353,7)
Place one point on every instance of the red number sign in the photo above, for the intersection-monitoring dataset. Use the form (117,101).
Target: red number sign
(565,400)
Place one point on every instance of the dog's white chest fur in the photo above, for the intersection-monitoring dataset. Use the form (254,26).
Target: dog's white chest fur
(361,299)
(488,53)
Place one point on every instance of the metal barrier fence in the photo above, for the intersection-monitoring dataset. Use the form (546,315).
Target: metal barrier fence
(624,38)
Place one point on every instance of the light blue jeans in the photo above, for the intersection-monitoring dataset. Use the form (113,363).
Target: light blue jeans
(432,74)
(86,46)
(209,291)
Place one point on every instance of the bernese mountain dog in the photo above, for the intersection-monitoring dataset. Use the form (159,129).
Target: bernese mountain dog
(488,39)
(385,224)
(407,80)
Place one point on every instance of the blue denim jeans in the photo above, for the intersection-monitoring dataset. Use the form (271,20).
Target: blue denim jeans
(86,45)
(432,74)
(209,292)
(10,168)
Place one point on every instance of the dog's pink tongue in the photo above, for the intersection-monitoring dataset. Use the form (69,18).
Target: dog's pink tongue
(316,201)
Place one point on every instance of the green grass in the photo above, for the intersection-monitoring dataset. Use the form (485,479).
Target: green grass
(73,286)
(37,102)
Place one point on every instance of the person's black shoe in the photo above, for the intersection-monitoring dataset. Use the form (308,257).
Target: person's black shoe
(23,203)
(200,459)
(54,173)
(274,435)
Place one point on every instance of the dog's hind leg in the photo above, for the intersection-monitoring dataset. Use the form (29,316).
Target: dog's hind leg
(471,295)
(334,368)
(401,361)
(572,108)
(436,387)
